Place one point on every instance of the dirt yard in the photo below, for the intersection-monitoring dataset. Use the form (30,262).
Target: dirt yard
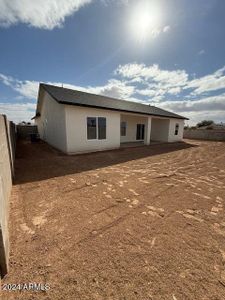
(139,223)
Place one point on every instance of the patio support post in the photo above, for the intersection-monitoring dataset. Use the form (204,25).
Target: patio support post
(148,131)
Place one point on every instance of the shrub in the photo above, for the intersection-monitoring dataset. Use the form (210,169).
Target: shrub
(205,123)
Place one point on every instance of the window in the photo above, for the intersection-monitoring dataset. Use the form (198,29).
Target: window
(123,128)
(176,129)
(101,128)
(91,128)
(92,132)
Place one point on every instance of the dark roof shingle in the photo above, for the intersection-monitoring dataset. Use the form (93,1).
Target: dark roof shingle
(74,97)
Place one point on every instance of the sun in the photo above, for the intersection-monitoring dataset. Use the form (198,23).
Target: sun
(144,20)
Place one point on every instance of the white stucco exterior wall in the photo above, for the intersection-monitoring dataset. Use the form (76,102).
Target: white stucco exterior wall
(172,137)
(76,129)
(160,129)
(51,123)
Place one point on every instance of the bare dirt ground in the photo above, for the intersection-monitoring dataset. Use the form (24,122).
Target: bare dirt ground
(138,223)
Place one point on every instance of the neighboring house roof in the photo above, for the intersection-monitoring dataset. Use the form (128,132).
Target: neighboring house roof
(78,98)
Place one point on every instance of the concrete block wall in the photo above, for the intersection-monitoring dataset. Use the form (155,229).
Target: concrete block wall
(24,131)
(7,155)
(205,134)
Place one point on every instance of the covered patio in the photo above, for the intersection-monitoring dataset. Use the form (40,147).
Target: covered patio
(159,130)
(134,129)
(138,130)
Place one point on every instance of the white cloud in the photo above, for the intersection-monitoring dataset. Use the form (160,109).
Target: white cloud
(212,82)
(133,70)
(6,79)
(153,73)
(46,14)
(158,30)
(213,103)
(150,92)
(212,108)
(194,118)
(201,52)
(29,89)
(155,32)
(118,2)
(18,112)
(158,82)
(166,28)
(114,88)
(172,82)
(174,90)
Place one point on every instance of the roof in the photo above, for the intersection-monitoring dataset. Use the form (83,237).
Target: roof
(78,98)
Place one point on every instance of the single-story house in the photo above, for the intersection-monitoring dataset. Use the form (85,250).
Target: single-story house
(76,122)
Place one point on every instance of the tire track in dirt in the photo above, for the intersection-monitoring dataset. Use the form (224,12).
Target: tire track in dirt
(155,237)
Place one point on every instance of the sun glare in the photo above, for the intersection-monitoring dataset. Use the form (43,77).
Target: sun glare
(144,20)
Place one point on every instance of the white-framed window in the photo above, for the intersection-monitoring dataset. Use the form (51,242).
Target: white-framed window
(91,128)
(101,128)
(96,128)
(176,129)
(123,128)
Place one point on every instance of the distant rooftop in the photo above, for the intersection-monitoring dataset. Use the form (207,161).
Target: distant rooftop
(73,97)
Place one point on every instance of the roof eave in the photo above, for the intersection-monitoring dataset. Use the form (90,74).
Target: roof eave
(36,116)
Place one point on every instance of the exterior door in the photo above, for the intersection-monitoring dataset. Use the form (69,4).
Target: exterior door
(140,134)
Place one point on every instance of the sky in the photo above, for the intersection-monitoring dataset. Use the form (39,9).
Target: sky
(166,53)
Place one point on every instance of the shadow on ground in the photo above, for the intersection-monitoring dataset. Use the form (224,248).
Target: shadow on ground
(39,161)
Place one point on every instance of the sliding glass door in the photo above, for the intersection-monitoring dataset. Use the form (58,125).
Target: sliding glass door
(140,134)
